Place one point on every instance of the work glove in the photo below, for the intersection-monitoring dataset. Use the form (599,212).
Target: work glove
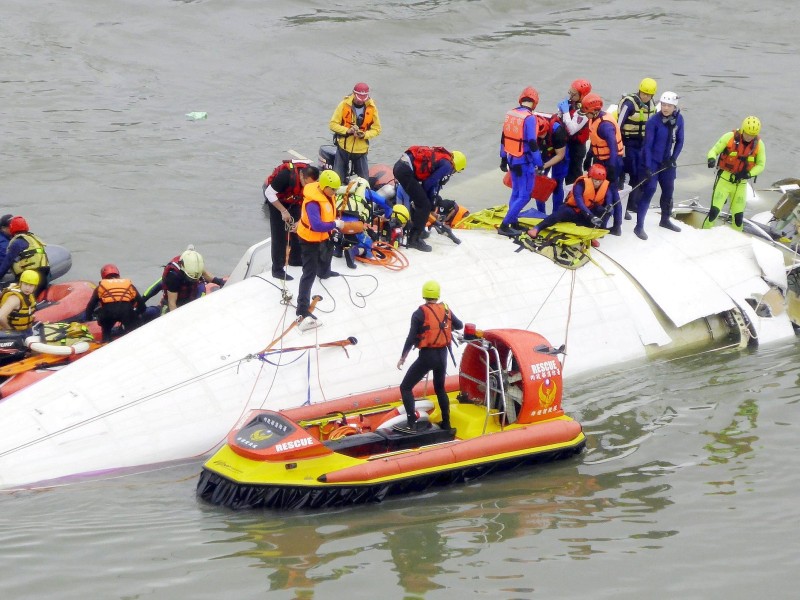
(712,162)
(745,175)
(516,170)
(338,223)
(735,179)
(218,280)
(669,164)
(540,171)
(504,164)
(596,221)
(563,106)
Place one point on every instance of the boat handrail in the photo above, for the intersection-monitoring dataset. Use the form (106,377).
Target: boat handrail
(493,382)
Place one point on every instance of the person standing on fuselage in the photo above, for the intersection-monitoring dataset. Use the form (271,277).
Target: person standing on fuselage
(634,111)
(354,123)
(663,142)
(576,123)
(519,153)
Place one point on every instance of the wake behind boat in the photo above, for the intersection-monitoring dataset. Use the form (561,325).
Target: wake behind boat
(173,389)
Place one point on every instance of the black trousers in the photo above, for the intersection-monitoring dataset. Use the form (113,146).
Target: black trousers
(123,313)
(429,359)
(277,231)
(421,204)
(317,258)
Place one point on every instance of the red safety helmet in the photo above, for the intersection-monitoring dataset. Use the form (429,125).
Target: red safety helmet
(109,271)
(597,171)
(361,91)
(542,126)
(581,86)
(18,225)
(529,93)
(592,103)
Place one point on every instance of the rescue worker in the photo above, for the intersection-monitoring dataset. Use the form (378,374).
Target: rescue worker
(183,279)
(422,171)
(632,115)
(663,142)
(317,221)
(356,202)
(431,331)
(5,234)
(576,124)
(25,251)
(738,155)
(519,153)
(18,303)
(553,139)
(354,123)
(118,300)
(586,203)
(283,195)
(605,148)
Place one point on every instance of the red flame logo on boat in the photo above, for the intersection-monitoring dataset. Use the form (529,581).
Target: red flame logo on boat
(547,393)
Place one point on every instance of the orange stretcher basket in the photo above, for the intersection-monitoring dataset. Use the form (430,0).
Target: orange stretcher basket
(543,186)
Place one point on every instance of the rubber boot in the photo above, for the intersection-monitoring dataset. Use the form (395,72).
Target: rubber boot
(350,256)
(641,212)
(666,211)
(415,242)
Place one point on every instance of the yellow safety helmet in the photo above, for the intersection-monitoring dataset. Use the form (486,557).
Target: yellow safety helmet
(459,161)
(401,212)
(751,125)
(648,86)
(431,290)
(192,263)
(329,179)
(29,276)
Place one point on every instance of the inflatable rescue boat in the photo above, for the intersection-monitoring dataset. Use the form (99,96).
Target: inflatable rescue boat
(505,411)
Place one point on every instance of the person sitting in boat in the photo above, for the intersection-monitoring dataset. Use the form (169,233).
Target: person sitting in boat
(633,112)
(116,300)
(283,195)
(26,251)
(183,279)
(663,142)
(605,148)
(18,303)
(552,137)
(575,123)
(738,156)
(587,202)
(519,153)
(423,171)
(5,234)
(431,331)
(354,123)
(317,221)
(356,202)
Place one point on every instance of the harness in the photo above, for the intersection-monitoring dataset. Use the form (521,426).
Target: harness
(437,326)
(423,159)
(739,156)
(294,193)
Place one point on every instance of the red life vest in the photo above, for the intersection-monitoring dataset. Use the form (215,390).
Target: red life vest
(437,328)
(294,193)
(514,131)
(739,156)
(188,288)
(116,290)
(599,146)
(423,158)
(591,197)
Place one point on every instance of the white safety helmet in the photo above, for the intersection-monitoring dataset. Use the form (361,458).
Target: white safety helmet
(192,263)
(669,98)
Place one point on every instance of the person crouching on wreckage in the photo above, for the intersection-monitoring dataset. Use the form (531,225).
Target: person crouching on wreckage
(355,203)
(590,199)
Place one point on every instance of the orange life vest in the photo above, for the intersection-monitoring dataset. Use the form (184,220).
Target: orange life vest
(349,116)
(294,193)
(424,157)
(514,131)
(591,197)
(437,329)
(739,156)
(599,146)
(115,290)
(327,212)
